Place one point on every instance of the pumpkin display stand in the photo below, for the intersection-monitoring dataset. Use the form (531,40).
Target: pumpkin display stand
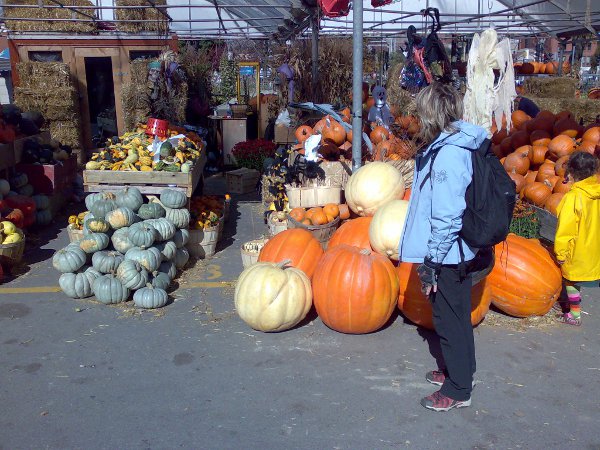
(250,251)
(12,254)
(203,243)
(75,235)
(322,233)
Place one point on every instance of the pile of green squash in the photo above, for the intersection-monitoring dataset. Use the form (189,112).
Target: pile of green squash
(131,248)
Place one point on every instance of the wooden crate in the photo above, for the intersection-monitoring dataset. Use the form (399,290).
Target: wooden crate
(50,178)
(146,182)
(242,181)
(548,223)
(7,156)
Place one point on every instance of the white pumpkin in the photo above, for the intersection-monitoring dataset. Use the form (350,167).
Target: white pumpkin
(271,297)
(387,226)
(372,186)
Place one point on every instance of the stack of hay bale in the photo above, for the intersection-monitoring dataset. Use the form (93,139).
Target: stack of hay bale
(147,19)
(12,9)
(49,89)
(136,95)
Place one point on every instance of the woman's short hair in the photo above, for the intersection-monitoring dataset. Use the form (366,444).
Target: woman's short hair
(438,105)
(582,165)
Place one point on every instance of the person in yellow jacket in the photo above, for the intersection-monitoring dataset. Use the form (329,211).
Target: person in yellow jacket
(577,240)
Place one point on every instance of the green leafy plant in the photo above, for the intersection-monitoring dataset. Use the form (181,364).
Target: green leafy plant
(525,222)
(251,154)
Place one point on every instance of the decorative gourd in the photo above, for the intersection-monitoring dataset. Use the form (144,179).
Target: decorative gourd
(182,256)
(169,268)
(107,261)
(417,308)
(297,245)
(78,285)
(355,290)
(525,280)
(43,217)
(561,145)
(69,259)
(120,217)
(41,201)
(372,186)
(120,240)
(167,249)
(151,211)
(165,228)
(150,297)
(181,238)
(103,205)
(142,235)
(173,199)
(354,232)
(109,290)
(94,242)
(387,226)
(179,217)
(97,225)
(150,258)
(130,197)
(132,274)
(160,280)
(272,297)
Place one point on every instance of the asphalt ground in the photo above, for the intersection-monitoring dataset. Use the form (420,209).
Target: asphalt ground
(76,374)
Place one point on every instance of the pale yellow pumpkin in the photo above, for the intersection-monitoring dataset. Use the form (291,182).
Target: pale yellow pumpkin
(386,228)
(272,297)
(372,186)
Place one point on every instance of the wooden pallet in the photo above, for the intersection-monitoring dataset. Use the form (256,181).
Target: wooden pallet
(146,182)
(548,223)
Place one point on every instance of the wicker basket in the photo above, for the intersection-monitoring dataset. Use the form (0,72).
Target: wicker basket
(203,243)
(276,227)
(239,111)
(249,258)
(74,234)
(12,254)
(321,232)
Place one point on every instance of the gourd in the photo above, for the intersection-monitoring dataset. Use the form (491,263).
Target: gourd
(97,225)
(179,217)
(165,228)
(171,198)
(107,261)
(103,205)
(372,186)
(297,245)
(94,242)
(151,211)
(132,274)
(354,232)
(120,240)
(150,259)
(160,280)
(43,217)
(41,201)
(150,297)
(120,217)
(130,197)
(69,259)
(169,268)
(79,284)
(182,256)
(181,238)
(168,249)
(272,297)
(142,235)
(109,290)
(417,308)
(387,226)
(355,290)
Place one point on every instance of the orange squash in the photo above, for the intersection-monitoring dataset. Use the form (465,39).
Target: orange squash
(592,135)
(331,209)
(298,214)
(525,280)
(538,192)
(354,232)
(295,244)
(518,160)
(417,308)
(561,145)
(552,202)
(354,290)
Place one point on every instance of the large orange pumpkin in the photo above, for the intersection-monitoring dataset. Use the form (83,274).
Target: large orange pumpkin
(417,308)
(586,146)
(525,280)
(560,167)
(545,171)
(354,232)
(518,179)
(592,135)
(297,245)
(354,290)
(566,126)
(561,145)
(334,130)
(537,154)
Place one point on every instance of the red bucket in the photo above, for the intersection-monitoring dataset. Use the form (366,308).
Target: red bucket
(157,127)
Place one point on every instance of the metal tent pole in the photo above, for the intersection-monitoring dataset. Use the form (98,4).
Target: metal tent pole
(314,23)
(357,77)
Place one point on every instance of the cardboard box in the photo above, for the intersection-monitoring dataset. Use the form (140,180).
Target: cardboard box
(242,181)
(284,135)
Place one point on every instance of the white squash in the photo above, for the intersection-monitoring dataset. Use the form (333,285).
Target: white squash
(387,226)
(372,186)
(272,297)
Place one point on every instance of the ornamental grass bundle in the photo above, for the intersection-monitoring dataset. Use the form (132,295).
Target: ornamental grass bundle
(12,10)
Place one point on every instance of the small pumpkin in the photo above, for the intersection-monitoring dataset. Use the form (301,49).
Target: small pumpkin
(297,245)
(97,225)
(561,145)
(387,226)
(94,242)
(171,198)
(182,257)
(168,249)
(43,217)
(120,240)
(151,211)
(333,130)
(103,205)
(132,274)
(107,261)
(372,186)
(545,171)
(149,258)
(537,154)
(120,217)
(69,259)
(518,160)
(142,235)
(79,284)
(179,217)
(129,197)
(537,193)
(150,297)
(109,290)
(354,232)
(41,201)
(169,268)
(90,199)
(165,228)
(181,238)
(160,280)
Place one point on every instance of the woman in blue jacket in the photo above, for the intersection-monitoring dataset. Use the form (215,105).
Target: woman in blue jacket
(430,237)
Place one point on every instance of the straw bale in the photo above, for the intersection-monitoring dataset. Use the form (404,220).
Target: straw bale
(148,19)
(44,75)
(136,104)
(68,26)
(581,108)
(553,87)
(138,70)
(58,104)
(67,132)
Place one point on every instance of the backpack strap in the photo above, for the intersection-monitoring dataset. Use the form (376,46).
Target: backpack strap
(462,266)
(434,152)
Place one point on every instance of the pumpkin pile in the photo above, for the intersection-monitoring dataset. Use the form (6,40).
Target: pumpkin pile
(535,152)
(19,205)
(35,151)
(319,215)
(534,67)
(206,211)
(134,151)
(128,246)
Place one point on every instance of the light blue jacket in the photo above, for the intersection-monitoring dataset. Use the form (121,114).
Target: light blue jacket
(435,210)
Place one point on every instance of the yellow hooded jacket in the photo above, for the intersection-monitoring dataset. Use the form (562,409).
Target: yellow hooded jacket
(577,240)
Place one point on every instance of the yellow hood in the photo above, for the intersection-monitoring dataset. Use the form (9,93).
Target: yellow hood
(590,187)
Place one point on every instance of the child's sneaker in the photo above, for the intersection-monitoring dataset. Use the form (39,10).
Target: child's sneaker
(439,402)
(569,319)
